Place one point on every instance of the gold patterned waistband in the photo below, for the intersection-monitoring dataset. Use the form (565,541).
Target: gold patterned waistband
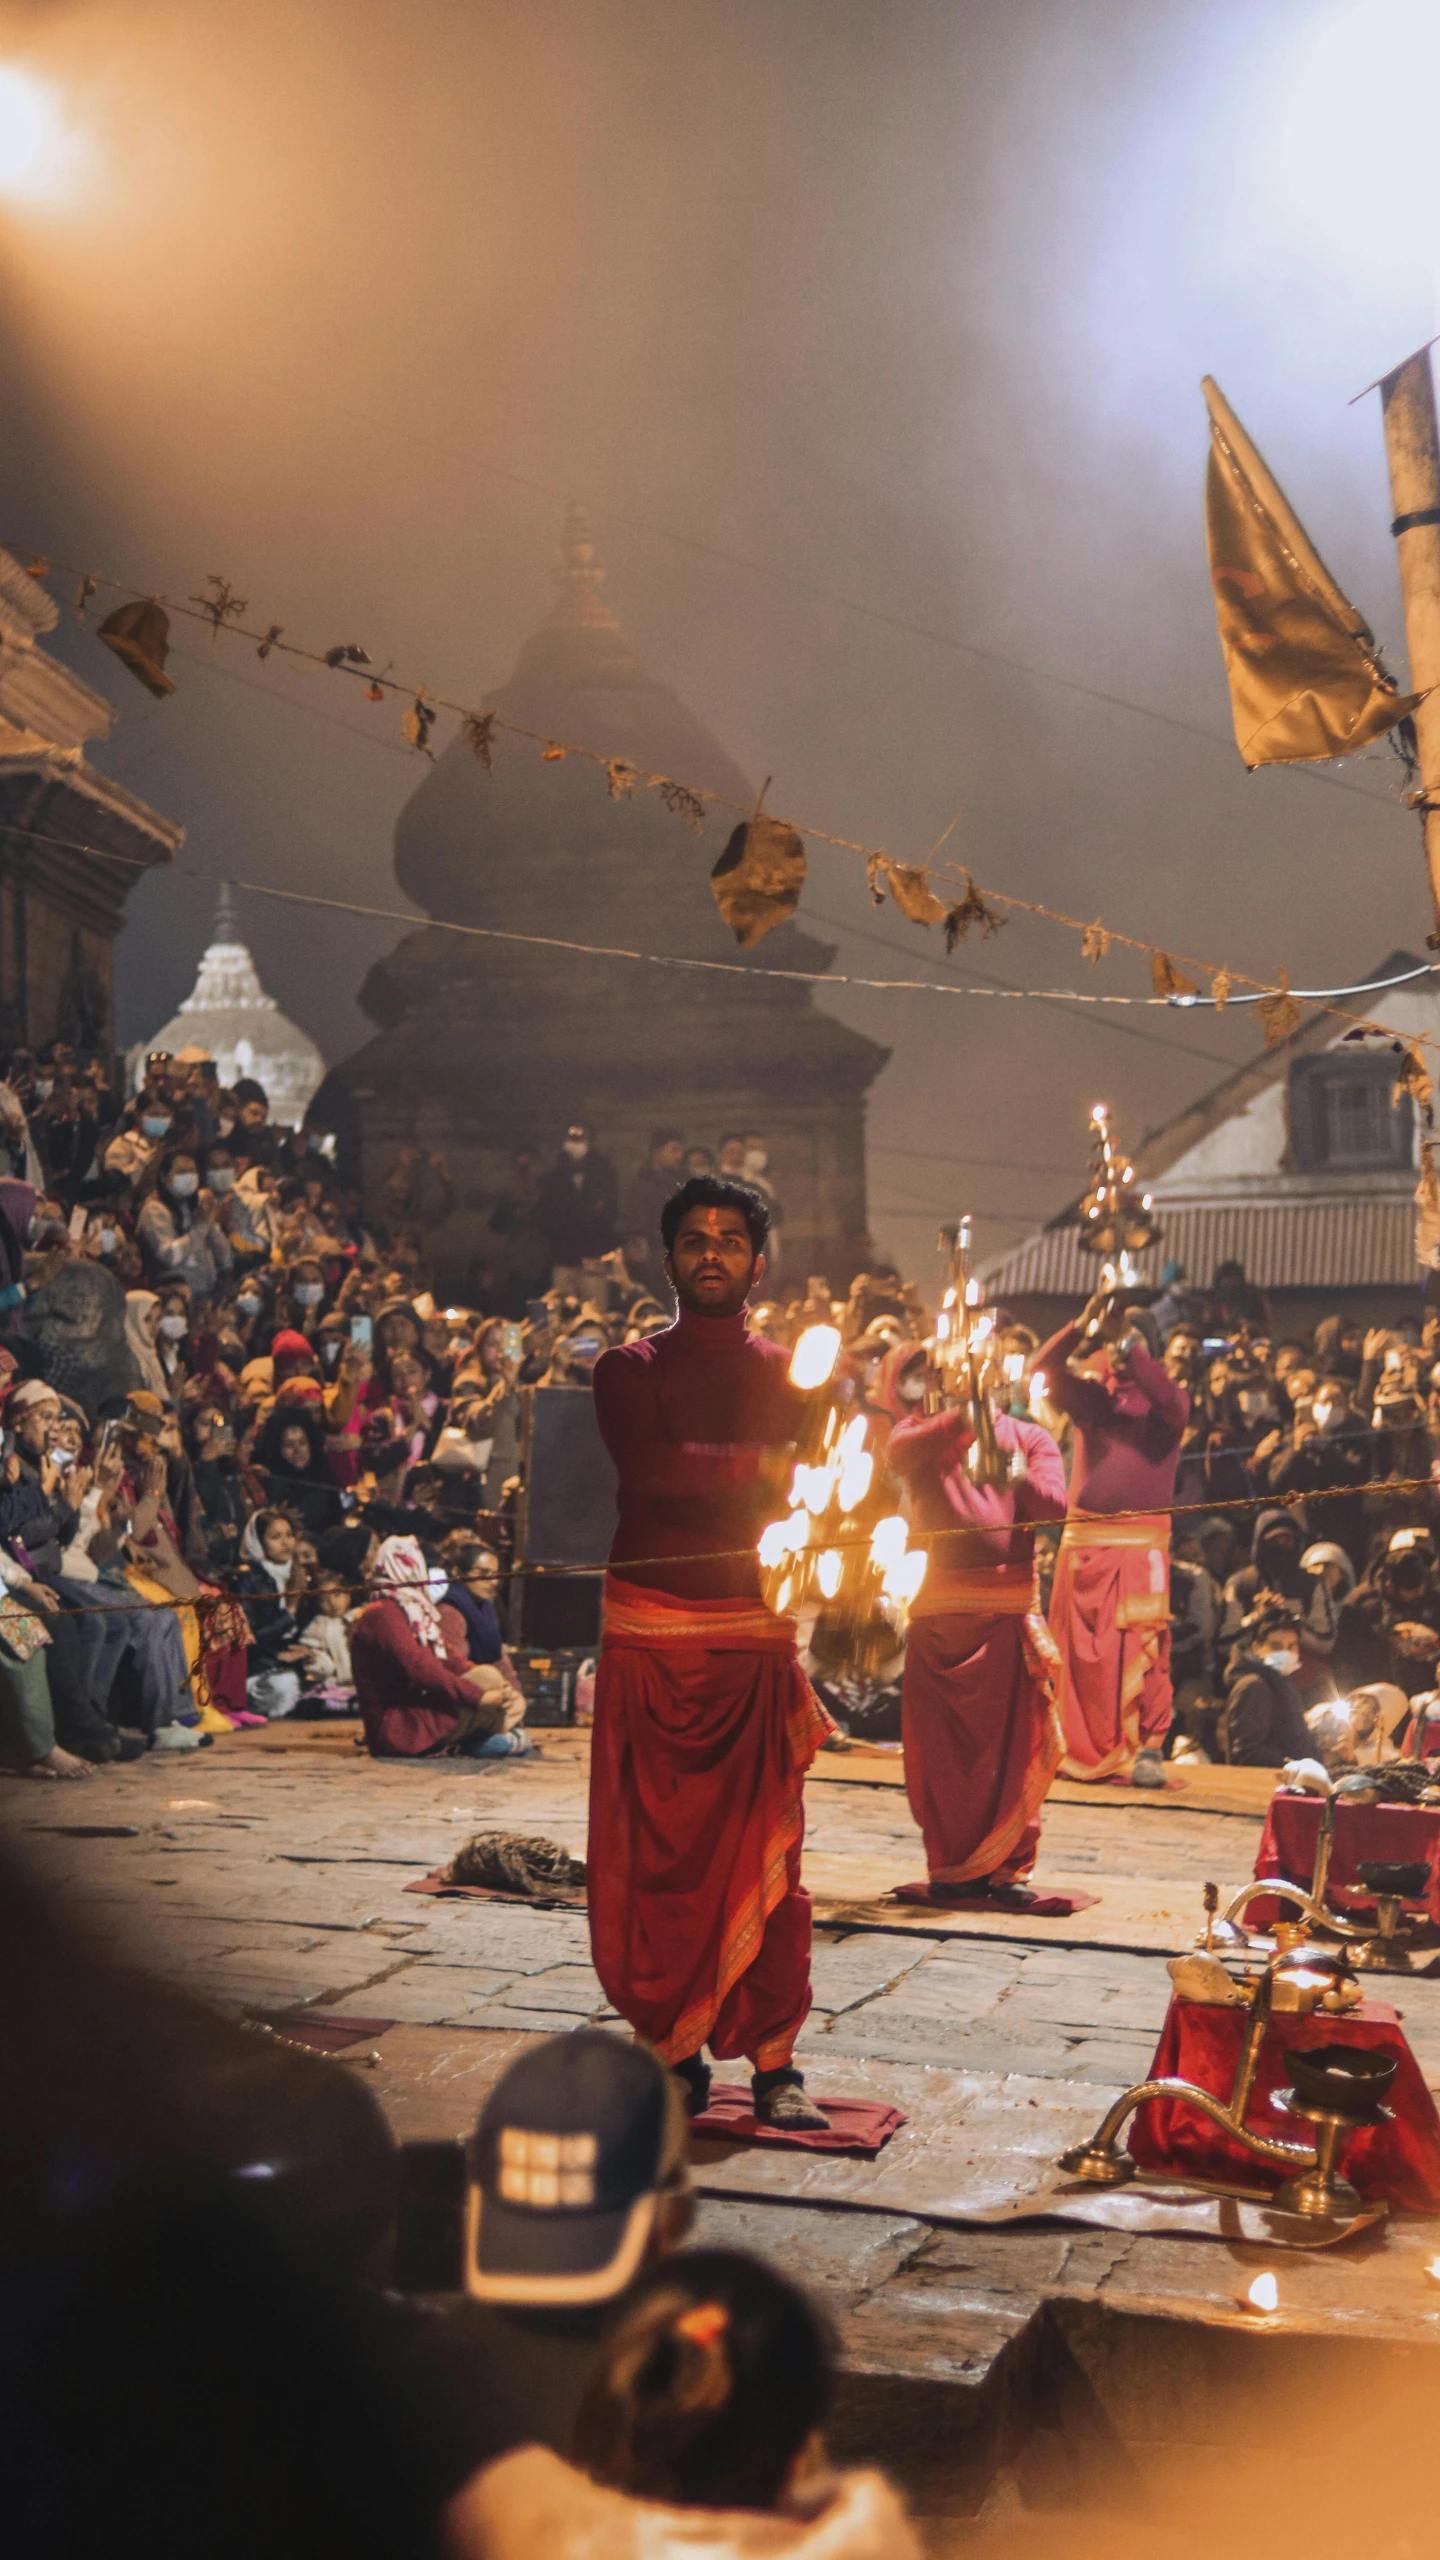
(634,1616)
(977,1591)
(1098,1532)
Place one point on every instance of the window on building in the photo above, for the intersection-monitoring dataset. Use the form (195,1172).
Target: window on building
(1342,1119)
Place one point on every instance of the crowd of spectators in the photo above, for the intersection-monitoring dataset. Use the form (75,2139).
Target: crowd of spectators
(251,1468)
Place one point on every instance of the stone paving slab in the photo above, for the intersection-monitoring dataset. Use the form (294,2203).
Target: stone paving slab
(273,1878)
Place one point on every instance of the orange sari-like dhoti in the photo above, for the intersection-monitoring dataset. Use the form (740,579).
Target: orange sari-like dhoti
(1110,1617)
(704,1728)
(979,1719)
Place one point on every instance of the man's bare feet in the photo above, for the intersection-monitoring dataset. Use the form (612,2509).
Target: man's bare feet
(58,1764)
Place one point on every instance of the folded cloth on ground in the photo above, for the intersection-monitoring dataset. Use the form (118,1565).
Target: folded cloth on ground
(508,1862)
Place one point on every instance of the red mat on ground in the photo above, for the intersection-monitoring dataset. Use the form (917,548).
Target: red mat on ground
(1399,2160)
(436,1883)
(330,2034)
(1015,1899)
(1403,1832)
(856,2124)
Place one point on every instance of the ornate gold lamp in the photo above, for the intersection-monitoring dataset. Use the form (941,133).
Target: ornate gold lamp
(836,1545)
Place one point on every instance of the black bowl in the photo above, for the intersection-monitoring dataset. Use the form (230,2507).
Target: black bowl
(1409,1878)
(1346,2079)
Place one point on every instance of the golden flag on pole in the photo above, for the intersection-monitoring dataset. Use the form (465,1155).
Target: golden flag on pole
(1306,679)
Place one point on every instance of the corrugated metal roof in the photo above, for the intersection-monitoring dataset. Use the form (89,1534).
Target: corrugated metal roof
(1303,1244)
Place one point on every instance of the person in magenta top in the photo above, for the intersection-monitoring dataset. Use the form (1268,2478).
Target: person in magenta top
(1110,1607)
(978,1708)
(704,1722)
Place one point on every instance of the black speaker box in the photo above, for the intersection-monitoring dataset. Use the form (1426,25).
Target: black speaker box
(569,1518)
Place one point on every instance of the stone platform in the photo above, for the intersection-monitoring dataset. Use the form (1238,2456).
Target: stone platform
(268,1873)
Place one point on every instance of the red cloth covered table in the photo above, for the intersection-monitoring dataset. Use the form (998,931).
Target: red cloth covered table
(1405,1832)
(1400,2161)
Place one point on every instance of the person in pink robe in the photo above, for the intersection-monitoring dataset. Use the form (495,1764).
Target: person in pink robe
(979,1717)
(1110,1606)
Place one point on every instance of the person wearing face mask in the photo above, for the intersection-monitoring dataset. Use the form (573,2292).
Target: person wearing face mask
(176,1227)
(143,1131)
(1110,1607)
(1262,1723)
(1275,1569)
(755,1151)
(303,1298)
(576,1208)
(1326,1450)
(172,1327)
(1390,1624)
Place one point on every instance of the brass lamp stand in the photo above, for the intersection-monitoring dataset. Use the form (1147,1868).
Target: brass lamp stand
(1228,1930)
(1295,1979)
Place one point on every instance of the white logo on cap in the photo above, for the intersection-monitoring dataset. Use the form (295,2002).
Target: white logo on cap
(547,2169)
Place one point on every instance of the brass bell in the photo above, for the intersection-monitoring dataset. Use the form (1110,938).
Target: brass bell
(140,635)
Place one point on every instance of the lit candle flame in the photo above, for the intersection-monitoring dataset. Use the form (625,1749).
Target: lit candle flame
(1264,2293)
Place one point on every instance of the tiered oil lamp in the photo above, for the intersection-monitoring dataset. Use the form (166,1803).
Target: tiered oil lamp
(1114,1220)
(963,1363)
(836,1546)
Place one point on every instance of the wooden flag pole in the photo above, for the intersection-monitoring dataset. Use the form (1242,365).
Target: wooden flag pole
(1412,447)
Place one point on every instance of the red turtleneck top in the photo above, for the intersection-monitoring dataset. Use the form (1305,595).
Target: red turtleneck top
(690,1418)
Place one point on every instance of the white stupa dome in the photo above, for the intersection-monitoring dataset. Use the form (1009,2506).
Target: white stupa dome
(230,1018)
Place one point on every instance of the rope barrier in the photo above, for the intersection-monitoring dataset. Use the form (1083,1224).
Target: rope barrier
(529,1571)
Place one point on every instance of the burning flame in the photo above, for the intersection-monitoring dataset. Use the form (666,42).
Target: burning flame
(1264,2294)
(812,1362)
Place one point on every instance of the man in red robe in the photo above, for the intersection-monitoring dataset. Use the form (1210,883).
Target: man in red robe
(1110,1607)
(978,1709)
(704,1722)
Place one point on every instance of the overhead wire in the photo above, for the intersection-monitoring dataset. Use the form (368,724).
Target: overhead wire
(223,612)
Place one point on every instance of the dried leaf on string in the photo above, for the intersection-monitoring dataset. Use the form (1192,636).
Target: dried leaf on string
(620,777)
(375,691)
(1280,1013)
(417,723)
(1220,986)
(222,606)
(552,755)
(84,592)
(139,634)
(910,888)
(268,643)
(757,881)
(684,803)
(1427,1212)
(971,909)
(874,878)
(1412,1076)
(1094,943)
(347,653)
(479,735)
(1166,979)
(39,567)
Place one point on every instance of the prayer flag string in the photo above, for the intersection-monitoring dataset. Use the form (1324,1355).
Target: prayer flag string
(221,612)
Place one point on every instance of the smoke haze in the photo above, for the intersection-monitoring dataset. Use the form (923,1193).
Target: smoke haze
(817,306)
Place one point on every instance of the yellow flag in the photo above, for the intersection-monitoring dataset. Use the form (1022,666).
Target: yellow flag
(1306,679)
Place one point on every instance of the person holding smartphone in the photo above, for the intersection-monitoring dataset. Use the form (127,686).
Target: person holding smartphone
(485,1402)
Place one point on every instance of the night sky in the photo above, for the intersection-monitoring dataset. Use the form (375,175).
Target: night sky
(871,336)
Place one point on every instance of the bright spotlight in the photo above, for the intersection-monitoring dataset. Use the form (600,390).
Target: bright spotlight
(1331,137)
(35,149)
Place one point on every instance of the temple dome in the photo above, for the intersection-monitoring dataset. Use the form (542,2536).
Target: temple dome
(229,1018)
